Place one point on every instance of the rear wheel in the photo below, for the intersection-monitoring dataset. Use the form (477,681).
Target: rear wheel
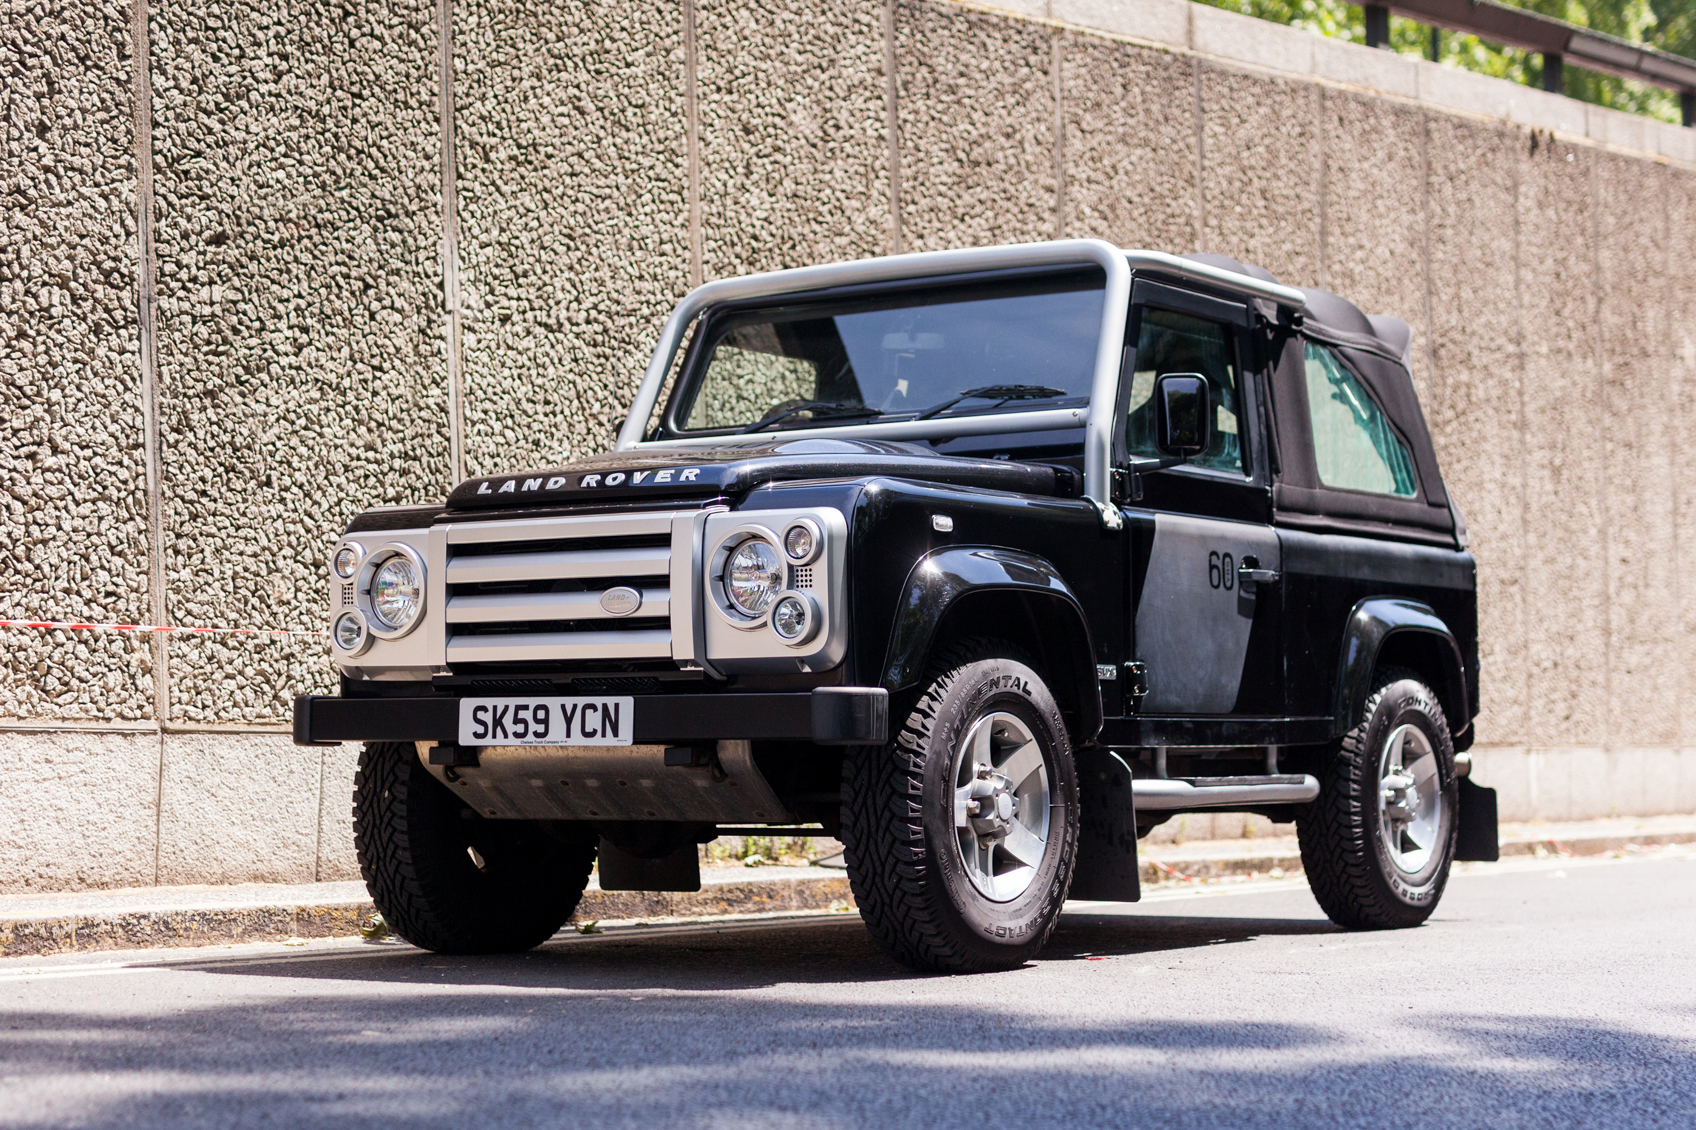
(961,833)
(448,880)
(1378,843)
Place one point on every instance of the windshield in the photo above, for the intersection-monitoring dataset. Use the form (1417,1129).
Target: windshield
(944,351)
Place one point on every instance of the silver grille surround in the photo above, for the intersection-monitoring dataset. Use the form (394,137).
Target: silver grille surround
(654,570)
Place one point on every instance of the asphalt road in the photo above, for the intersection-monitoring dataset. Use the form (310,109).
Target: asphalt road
(1541,995)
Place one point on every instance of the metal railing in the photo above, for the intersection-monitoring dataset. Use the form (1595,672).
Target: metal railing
(1555,39)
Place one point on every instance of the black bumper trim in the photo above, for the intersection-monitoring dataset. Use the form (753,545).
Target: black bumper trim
(827,716)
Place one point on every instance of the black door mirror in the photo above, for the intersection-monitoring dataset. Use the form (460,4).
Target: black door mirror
(1181,405)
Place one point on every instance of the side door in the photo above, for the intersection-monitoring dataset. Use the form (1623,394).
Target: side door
(1206,633)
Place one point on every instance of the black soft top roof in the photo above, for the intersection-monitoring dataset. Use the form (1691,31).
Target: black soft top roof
(1377,348)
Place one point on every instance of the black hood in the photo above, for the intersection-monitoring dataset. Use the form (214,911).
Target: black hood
(737,464)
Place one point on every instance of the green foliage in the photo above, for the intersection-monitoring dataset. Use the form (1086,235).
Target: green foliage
(1667,24)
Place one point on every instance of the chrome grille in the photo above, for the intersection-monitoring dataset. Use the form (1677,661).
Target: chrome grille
(530,591)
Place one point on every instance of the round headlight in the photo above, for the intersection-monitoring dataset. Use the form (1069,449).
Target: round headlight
(752,576)
(347,561)
(801,542)
(349,631)
(397,592)
(790,618)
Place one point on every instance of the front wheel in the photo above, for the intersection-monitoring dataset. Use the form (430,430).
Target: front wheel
(961,833)
(444,878)
(1378,842)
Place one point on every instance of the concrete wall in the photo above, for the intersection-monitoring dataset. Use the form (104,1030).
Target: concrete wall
(243,295)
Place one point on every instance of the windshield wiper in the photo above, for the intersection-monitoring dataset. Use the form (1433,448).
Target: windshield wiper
(821,409)
(1001,394)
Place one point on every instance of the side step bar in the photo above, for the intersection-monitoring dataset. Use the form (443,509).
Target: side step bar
(1181,794)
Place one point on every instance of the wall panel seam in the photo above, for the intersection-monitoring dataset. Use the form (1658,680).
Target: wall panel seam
(1523,461)
(1056,60)
(1438,388)
(692,125)
(146,342)
(892,113)
(450,248)
(318,830)
(1200,159)
(1324,208)
(1600,350)
(147,359)
(1676,449)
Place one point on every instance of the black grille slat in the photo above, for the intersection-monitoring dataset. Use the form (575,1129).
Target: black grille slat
(562,545)
(543,627)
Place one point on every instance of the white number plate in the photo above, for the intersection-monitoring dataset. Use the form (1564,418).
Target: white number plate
(546,721)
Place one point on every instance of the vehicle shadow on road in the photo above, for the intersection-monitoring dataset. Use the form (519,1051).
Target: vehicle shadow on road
(737,956)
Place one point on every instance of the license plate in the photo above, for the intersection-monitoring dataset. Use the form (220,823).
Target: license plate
(546,721)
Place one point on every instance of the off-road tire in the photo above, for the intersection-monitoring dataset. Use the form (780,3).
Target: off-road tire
(1348,871)
(904,862)
(412,836)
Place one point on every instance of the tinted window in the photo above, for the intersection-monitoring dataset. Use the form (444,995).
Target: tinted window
(1353,443)
(1179,343)
(901,354)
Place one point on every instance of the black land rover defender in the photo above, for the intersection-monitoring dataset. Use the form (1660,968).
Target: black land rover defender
(985,561)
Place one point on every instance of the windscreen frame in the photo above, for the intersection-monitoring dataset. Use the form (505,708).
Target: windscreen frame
(935,290)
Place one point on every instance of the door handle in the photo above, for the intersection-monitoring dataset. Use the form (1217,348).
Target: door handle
(1250,572)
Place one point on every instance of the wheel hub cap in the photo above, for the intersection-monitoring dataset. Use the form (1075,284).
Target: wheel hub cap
(1411,820)
(1001,799)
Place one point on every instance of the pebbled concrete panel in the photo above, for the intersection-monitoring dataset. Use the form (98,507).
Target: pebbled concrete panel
(1130,144)
(573,240)
(1681,333)
(301,351)
(1638,387)
(81,811)
(1473,402)
(1375,211)
(73,512)
(1566,525)
(976,119)
(238,808)
(1261,187)
(794,136)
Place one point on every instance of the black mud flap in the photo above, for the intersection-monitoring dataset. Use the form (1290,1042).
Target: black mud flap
(1106,869)
(1477,837)
(621,871)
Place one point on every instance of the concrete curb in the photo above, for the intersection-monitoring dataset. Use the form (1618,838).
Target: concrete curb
(26,935)
(23,934)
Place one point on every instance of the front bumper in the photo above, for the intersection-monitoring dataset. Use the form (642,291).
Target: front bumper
(826,716)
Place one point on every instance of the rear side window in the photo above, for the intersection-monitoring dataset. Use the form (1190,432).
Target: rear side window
(1353,443)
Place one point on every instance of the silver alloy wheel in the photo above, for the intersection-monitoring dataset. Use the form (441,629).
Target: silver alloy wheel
(1001,805)
(1412,822)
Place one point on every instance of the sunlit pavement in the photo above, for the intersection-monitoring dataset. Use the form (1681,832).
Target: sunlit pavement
(1544,993)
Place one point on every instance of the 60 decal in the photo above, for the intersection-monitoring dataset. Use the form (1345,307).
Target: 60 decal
(1221,571)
